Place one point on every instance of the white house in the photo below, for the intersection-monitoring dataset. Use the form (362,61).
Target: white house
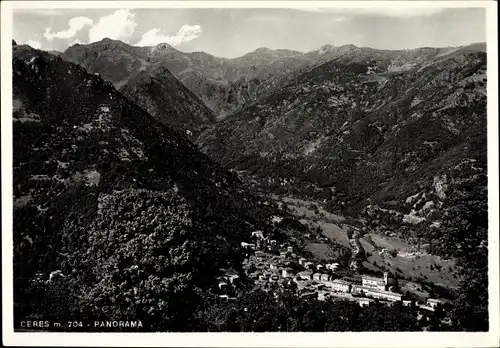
(380,294)
(308,264)
(325,277)
(305,275)
(375,282)
(407,303)
(246,245)
(432,302)
(233,278)
(276,219)
(331,266)
(57,273)
(340,285)
(258,234)
(363,302)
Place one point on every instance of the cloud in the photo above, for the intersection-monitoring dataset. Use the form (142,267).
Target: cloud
(34,44)
(75,24)
(120,25)
(185,34)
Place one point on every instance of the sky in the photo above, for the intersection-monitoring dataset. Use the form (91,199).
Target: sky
(231,33)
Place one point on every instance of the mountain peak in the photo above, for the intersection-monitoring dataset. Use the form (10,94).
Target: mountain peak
(263,49)
(162,48)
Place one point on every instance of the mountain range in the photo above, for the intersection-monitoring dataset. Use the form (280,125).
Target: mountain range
(140,170)
(369,132)
(225,85)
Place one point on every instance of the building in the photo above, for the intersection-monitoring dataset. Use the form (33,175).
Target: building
(325,277)
(233,278)
(276,219)
(431,302)
(282,254)
(378,294)
(319,266)
(308,264)
(289,249)
(340,285)
(258,234)
(323,295)
(304,275)
(310,295)
(331,266)
(287,272)
(375,282)
(246,245)
(364,302)
(302,261)
(407,303)
(317,276)
(222,285)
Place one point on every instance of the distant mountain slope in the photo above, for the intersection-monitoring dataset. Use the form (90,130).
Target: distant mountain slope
(367,135)
(118,62)
(115,213)
(114,60)
(157,91)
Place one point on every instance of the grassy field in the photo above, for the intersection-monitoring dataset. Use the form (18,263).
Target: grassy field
(405,261)
(399,257)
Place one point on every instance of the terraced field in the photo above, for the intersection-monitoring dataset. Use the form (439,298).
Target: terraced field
(381,252)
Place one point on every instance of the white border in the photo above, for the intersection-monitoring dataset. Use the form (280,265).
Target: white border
(345,339)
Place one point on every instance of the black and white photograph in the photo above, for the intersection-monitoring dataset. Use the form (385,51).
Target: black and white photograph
(201,168)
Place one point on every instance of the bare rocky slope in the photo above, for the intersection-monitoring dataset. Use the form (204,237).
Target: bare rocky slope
(116,216)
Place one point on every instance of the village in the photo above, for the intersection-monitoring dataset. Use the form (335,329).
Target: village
(271,266)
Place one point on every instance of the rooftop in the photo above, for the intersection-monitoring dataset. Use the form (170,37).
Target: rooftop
(372,278)
(341,281)
(381,291)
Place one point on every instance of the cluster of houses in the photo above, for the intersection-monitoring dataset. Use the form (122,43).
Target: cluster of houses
(228,285)
(270,263)
(261,243)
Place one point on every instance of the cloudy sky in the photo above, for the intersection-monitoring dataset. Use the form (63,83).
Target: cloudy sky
(234,32)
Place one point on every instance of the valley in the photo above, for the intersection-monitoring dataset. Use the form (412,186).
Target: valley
(185,189)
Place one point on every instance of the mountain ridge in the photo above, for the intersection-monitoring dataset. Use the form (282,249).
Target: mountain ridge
(224,85)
